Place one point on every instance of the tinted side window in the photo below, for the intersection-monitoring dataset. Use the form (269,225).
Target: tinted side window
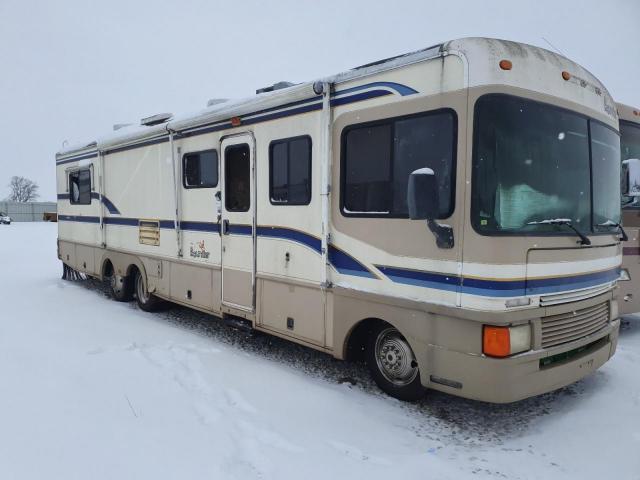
(290,171)
(200,169)
(379,157)
(237,181)
(80,187)
(367,170)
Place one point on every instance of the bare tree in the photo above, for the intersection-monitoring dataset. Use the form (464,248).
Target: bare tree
(22,190)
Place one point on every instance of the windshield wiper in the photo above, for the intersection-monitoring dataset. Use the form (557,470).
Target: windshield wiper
(584,240)
(610,223)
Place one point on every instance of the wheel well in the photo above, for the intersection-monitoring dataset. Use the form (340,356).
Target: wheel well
(131,270)
(357,340)
(107,268)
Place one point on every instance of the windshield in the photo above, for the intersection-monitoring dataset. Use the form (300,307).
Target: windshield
(532,170)
(630,148)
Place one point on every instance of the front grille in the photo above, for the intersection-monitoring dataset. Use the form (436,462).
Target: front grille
(570,326)
(585,293)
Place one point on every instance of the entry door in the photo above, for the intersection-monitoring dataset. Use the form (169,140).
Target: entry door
(237,227)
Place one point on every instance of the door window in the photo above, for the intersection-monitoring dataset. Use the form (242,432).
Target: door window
(237,173)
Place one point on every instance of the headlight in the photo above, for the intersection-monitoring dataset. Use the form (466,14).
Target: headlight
(624,275)
(505,341)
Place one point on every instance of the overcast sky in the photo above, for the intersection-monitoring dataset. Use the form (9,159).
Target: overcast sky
(71,69)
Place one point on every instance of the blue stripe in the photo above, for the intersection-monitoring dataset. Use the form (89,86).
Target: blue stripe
(240,229)
(398,87)
(546,285)
(497,288)
(346,264)
(200,226)
(293,235)
(418,278)
(170,224)
(78,218)
(96,196)
(134,222)
(131,222)
(359,97)
(110,206)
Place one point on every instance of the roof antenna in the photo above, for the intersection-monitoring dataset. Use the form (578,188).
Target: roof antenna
(553,46)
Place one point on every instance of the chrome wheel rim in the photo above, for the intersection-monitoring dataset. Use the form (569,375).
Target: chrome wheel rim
(142,293)
(395,358)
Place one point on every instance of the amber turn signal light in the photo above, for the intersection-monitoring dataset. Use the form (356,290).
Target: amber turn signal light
(566,75)
(496,341)
(506,64)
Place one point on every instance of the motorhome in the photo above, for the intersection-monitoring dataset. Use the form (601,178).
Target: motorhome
(630,149)
(450,216)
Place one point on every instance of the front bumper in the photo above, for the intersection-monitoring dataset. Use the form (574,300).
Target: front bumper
(511,379)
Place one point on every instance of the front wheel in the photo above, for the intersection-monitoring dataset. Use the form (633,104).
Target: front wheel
(393,364)
(146,301)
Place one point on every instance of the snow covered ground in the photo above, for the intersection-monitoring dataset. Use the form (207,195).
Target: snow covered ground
(95,389)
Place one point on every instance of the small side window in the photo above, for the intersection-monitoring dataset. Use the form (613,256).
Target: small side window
(80,187)
(290,171)
(200,169)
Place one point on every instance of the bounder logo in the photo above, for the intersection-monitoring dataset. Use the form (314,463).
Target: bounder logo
(198,251)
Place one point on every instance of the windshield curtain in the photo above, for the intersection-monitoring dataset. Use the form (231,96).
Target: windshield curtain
(532,166)
(630,148)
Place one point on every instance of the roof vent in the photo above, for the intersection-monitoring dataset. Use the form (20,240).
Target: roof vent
(156,119)
(118,126)
(275,86)
(216,101)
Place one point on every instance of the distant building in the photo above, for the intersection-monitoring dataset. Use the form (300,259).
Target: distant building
(27,212)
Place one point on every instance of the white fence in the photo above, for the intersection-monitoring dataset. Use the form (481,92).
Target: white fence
(27,212)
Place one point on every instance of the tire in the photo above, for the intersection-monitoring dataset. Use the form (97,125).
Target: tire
(146,301)
(392,363)
(121,288)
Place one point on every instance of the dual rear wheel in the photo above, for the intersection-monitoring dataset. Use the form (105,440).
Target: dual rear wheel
(125,288)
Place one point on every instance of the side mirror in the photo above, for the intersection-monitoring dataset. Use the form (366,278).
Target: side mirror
(423,200)
(631,172)
(423,197)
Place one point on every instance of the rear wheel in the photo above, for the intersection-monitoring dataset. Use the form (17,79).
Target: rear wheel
(146,301)
(393,364)
(120,287)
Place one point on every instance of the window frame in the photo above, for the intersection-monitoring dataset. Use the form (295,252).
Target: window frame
(184,175)
(392,120)
(77,171)
(561,232)
(287,140)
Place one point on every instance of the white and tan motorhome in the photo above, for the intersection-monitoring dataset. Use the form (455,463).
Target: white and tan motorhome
(435,214)
(630,149)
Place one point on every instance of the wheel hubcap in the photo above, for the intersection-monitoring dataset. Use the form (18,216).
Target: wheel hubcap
(142,293)
(394,358)
(113,280)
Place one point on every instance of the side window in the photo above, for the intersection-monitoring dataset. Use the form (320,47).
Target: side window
(200,169)
(378,157)
(80,187)
(290,171)
(237,178)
